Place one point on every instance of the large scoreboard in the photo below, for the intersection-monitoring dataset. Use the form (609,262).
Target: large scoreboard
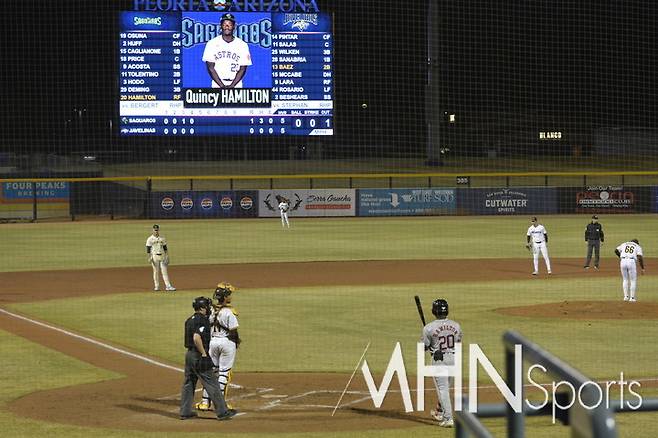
(166,87)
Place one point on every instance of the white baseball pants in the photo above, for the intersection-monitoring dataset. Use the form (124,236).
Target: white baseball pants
(629,277)
(222,351)
(543,249)
(284,219)
(158,266)
(442,384)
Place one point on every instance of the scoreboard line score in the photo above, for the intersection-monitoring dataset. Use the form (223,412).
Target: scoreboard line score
(166,89)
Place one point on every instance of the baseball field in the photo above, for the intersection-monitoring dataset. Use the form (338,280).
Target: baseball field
(89,349)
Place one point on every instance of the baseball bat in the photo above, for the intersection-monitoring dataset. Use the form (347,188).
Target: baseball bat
(420,309)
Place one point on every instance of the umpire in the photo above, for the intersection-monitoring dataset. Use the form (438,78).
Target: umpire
(594,239)
(198,364)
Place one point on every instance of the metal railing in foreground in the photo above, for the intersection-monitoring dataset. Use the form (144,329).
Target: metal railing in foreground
(597,422)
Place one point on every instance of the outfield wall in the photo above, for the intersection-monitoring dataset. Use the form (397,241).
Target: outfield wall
(407,202)
(138,198)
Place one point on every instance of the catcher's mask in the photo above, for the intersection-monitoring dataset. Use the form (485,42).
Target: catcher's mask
(440,308)
(223,290)
(201,303)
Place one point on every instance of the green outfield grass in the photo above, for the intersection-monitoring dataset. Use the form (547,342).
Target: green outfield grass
(80,245)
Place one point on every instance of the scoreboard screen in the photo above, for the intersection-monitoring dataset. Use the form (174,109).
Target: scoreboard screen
(275,71)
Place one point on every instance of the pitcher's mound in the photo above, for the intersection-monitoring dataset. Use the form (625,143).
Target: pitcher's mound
(586,310)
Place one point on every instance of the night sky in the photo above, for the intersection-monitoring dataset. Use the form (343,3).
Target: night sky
(537,62)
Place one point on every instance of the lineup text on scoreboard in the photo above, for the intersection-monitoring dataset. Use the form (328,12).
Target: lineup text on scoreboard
(183,74)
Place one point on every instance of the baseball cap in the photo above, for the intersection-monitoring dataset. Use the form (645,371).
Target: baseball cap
(595,217)
(156,227)
(534,219)
(227,16)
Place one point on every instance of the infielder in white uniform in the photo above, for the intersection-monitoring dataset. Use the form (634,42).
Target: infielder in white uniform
(628,252)
(158,257)
(284,207)
(224,341)
(537,238)
(227,56)
(440,337)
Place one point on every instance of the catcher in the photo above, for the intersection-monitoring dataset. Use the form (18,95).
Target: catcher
(224,341)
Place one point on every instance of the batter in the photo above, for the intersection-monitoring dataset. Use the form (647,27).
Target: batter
(440,337)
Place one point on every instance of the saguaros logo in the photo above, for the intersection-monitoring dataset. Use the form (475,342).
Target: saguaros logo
(186,203)
(167,203)
(206,203)
(246,203)
(226,203)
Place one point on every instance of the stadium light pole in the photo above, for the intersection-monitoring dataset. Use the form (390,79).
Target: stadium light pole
(432,94)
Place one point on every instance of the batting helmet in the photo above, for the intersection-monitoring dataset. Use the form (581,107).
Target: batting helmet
(228,16)
(201,303)
(222,291)
(440,308)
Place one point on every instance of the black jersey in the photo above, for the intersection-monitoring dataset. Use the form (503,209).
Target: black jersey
(197,323)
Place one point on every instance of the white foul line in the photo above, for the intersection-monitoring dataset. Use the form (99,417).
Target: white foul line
(351,377)
(95,342)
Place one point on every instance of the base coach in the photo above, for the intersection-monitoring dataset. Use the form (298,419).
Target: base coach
(198,364)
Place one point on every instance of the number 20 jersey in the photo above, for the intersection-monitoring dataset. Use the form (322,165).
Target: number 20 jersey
(442,335)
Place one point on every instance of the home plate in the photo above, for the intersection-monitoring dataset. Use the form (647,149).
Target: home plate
(274,395)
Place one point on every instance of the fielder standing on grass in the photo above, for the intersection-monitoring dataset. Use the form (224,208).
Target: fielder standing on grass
(537,239)
(628,252)
(284,206)
(594,238)
(158,256)
(440,337)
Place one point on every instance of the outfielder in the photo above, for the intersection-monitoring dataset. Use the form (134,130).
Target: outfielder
(628,252)
(284,206)
(158,257)
(227,56)
(440,337)
(537,238)
(224,341)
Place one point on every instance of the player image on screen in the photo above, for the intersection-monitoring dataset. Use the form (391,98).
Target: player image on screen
(227,56)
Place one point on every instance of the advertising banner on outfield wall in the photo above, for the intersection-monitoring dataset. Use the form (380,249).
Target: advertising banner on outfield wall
(320,202)
(654,199)
(406,202)
(206,204)
(503,201)
(605,199)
